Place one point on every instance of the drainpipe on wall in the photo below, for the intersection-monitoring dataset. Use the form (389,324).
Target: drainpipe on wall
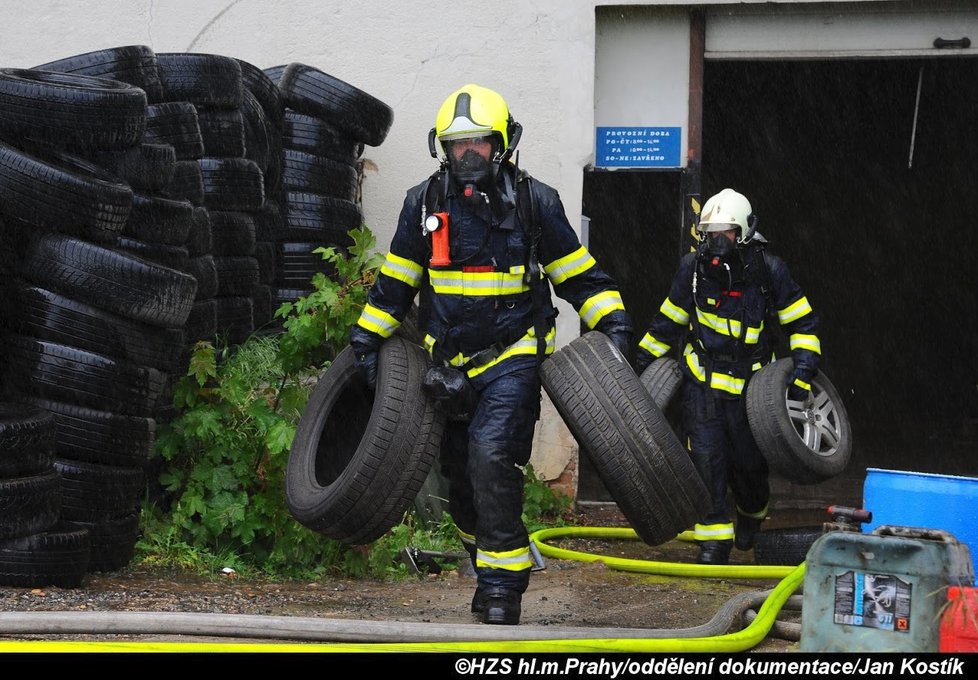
(692,176)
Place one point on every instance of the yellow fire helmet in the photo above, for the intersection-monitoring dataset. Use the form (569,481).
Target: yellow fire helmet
(475,111)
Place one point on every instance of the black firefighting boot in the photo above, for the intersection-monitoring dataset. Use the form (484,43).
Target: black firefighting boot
(479,601)
(746,531)
(502,606)
(714,552)
(479,598)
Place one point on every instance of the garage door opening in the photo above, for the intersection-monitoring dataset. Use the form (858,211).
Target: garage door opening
(863,174)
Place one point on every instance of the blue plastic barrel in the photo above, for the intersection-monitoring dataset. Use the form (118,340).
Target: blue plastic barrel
(925,500)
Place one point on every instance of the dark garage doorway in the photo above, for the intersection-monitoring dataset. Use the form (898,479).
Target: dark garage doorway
(881,237)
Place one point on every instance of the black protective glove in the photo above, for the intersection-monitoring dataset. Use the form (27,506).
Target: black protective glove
(621,339)
(366,363)
(797,392)
(618,327)
(451,389)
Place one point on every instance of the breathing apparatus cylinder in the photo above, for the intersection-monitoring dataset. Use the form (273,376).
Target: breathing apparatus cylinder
(436,224)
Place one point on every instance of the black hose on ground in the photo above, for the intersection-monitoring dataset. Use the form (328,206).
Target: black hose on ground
(341,630)
(784,630)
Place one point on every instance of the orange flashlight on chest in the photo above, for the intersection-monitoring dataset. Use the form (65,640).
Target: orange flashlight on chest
(436,224)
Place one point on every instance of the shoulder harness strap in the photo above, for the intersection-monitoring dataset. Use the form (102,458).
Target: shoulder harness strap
(763,279)
(434,193)
(528,211)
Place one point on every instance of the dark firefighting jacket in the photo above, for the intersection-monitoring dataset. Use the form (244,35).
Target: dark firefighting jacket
(479,311)
(732,323)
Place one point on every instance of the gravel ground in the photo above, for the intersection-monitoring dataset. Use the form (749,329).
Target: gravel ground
(567,593)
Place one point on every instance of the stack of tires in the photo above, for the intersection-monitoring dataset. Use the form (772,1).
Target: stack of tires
(326,124)
(93,327)
(35,549)
(175,124)
(263,111)
(134,222)
(232,186)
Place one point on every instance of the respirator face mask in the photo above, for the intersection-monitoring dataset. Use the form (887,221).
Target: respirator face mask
(471,170)
(718,245)
(719,256)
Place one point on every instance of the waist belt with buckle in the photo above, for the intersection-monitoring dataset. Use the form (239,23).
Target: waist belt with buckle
(733,359)
(483,357)
(492,352)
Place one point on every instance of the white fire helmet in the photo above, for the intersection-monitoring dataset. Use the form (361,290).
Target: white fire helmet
(726,210)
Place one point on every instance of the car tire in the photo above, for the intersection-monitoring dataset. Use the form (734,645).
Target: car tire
(787,547)
(616,422)
(359,458)
(662,379)
(804,443)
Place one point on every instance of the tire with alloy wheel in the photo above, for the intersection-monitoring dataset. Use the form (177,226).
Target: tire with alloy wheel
(804,442)
(359,458)
(616,422)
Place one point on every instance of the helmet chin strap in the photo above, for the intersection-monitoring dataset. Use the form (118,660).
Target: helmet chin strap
(751,230)
(514,131)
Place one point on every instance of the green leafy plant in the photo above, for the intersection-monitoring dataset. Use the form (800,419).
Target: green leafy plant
(542,505)
(225,454)
(317,326)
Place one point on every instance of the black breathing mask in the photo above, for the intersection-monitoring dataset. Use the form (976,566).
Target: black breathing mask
(718,245)
(719,257)
(473,175)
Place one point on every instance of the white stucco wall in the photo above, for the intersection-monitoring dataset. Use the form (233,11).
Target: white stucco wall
(410,54)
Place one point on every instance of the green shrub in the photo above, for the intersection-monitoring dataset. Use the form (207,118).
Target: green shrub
(225,454)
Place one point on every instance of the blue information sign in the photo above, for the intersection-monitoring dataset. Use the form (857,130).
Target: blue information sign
(637,147)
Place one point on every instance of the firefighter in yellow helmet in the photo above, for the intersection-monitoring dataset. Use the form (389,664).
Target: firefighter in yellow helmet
(726,299)
(482,242)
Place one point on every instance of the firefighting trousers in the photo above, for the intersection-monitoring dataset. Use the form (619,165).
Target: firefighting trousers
(480,459)
(724,453)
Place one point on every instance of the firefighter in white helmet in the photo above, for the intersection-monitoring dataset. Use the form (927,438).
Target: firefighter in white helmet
(727,299)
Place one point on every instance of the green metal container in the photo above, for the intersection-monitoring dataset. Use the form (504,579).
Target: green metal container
(880,592)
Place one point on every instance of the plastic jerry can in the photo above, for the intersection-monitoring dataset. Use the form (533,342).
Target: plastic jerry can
(880,592)
(959,622)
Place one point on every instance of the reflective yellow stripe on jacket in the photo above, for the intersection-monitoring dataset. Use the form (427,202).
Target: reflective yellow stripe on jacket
(568,266)
(729,327)
(378,321)
(718,380)
(674,312)
(804,341)
(598,306)
(655,347)
(477,283)
(402,269)
(794,311)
